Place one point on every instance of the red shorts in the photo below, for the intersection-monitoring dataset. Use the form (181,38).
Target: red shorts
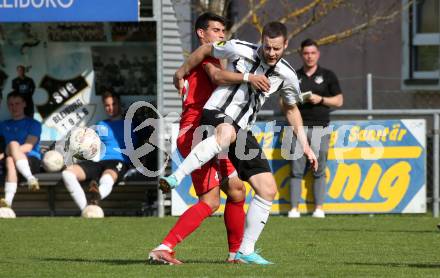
(210,174)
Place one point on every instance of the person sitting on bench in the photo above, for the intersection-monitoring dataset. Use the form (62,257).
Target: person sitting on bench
(22,156)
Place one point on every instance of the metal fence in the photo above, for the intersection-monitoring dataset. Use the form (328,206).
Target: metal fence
(374,91)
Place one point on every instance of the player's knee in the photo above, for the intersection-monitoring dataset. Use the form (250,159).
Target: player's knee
(112,173)
(70,168)
(270,191)
(236,190)
(13,147)
(225,135)
(213,204)
(13,144)
(68,175)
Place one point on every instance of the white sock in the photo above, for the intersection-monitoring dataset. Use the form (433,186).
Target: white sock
(256,219)
(163,247)
(200,154)
(23,167)
(75,189)
(10,189)
(106,183)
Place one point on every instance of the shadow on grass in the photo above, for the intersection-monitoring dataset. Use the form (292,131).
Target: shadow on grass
(205,262)
(122,261)
(372,231)
(95,261)
(414,265)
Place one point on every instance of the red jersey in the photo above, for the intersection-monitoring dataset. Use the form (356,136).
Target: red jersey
(198,89)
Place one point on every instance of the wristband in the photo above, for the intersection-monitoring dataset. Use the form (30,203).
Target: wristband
(246,77)
(322,100)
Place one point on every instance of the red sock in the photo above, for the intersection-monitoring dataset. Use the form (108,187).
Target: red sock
(234,222)
(188,222)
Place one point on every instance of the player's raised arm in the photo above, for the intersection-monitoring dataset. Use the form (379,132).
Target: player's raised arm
(224,77)
(193,60)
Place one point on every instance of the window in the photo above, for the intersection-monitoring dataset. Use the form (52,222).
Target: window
(426,16)
(421,36)
(146,8)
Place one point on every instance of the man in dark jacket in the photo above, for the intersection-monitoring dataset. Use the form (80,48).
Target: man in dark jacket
(26,87)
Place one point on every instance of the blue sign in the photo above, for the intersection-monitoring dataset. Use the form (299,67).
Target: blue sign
(68,10)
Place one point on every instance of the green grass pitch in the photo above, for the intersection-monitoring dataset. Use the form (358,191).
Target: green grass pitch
(338,246)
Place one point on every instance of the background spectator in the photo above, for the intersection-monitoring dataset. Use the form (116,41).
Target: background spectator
(326,94)
(25,86)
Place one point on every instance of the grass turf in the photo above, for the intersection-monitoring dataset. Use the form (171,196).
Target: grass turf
(338,246)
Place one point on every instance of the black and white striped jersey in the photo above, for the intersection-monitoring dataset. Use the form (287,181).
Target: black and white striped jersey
(241,102)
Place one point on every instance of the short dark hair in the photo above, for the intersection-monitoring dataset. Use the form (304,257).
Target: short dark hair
(21,67)
(106,93)
(308,42)
(274,29)
(15,94)
(202,22)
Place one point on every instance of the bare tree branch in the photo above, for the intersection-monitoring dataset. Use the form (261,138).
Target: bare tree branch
(252,12)
(256,22)
(316,17)
(315,10)
(333,38)
(298,12)
(219,7)
(361,27)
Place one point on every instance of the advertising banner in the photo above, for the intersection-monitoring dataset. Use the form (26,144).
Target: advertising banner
(68,10)
(373,167)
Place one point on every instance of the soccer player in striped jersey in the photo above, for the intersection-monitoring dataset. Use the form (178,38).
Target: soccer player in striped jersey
(200,82)
(232,110)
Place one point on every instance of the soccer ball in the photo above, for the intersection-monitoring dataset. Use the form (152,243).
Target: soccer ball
(7,213)
(53,161)
(92,211)
(84,144)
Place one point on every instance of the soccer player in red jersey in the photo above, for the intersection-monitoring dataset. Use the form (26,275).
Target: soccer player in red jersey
(199,85)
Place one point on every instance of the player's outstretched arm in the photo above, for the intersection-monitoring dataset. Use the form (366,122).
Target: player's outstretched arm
(294,118)
(224,77)
(193,60)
